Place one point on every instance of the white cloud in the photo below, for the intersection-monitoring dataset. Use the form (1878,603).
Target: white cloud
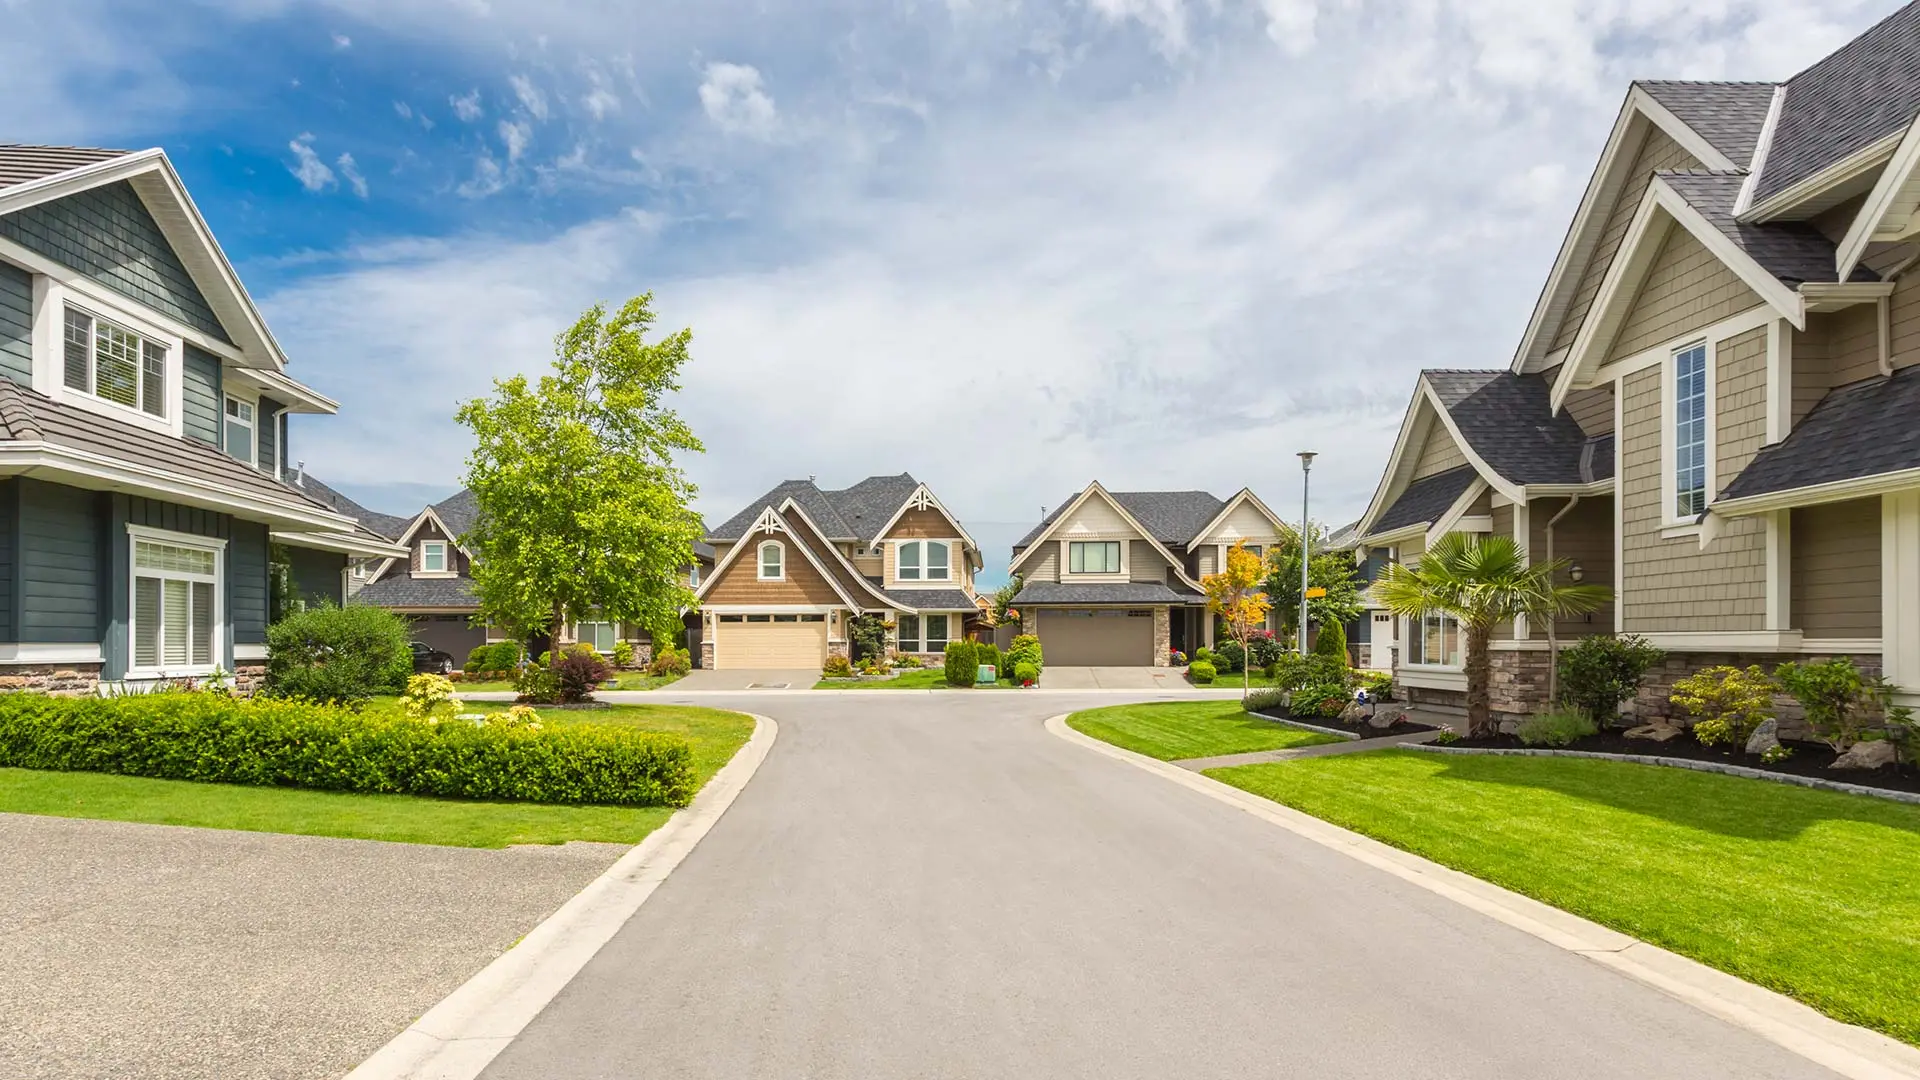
(1290,23)
(466,106)
(1166,20)
(351,172)
(312,173)
(734,99)
(403,110)
(342,41)
(530,96)
(487,179)
(515,134)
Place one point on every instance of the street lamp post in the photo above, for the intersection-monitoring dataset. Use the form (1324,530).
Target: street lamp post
(1306,542)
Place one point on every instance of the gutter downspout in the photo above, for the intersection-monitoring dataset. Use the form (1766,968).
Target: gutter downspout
(1553,623)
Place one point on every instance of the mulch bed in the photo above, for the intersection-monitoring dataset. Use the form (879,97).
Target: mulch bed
(1809,758)
(1361,729)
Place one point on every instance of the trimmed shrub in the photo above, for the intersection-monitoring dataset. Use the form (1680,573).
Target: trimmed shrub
(670,661)
(480,659)
(963,663)
(503,656)
(1266,700)
(1556,728)
(989,656)
(339,654)
(1321,699)
(1229,657)
(1203,655)
(285,743)
(837,667)
(1331,641)
(1838,699)
(580,671)
(1600,671)
(1025,649)
(1726,702)
(623,654)
(1025,674)
(1263,649)
(1201,672)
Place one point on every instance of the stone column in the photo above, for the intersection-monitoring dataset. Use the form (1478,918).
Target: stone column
(1162,635)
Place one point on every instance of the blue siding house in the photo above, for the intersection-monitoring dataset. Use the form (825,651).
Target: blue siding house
(145,492)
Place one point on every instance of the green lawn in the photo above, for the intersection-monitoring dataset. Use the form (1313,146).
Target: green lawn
(715,736)
(1255,681)
(1172,731)
(1810,893)
(917,679)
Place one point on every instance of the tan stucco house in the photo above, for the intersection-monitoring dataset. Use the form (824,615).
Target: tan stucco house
(1711,409)
(1112,579)
(794,567)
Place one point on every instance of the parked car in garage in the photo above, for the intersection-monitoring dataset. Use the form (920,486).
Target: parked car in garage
(426,658)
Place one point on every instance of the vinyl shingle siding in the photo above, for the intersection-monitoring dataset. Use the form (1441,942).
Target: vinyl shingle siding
(16,323)
(1658,152)
(1836,569)
(1438,455)
(1687,288)
(107,234)
(201,402)
(268,426)
(59,560)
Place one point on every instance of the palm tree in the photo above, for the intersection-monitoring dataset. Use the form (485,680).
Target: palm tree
(1482,582)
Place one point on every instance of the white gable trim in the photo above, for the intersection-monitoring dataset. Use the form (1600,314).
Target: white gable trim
(1140,532)
(1837,175)
(1745,200)
(767,524)
(1244,496)
(1638,114)
(406,541)
(922,499)
(1886,194)
(1487,474)
(1455,519)
(1659,212)
(1412,433)
(792,506)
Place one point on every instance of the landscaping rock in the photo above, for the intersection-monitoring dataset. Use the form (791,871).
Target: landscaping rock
(1878,754)
(1658,731)
(1385,716)
(1765,737)
(1354,713)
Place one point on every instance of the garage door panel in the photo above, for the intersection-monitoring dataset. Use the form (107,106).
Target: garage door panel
(770,645)
(451,634)
(1097,638)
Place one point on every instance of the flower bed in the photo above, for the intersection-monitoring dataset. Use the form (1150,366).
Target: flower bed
(1811,759)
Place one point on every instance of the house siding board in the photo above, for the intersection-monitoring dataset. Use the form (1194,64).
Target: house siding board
(107,234)
(269,427)
(1592,409)
(1245,523)
(1658,152)
(201,390)
(1853,344)
(1811,372)
(1045,565)
(316,575)
(1687,289)
(1584,536)
(1439,454)
(1145,564)
(1503,526)
(740,583)
(9,522)
(247,583)
(928,524)
(16,323)
(60,563)
(1836,569)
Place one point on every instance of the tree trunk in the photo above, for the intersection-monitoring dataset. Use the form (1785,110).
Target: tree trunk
(553,635)
(1479,682)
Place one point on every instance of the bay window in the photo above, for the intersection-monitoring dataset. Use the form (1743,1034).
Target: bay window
(176,607)
(114,364)
(1433,640)
(923,560)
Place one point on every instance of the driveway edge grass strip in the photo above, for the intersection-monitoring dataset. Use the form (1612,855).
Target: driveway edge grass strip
(459,1037)
(1851,1051)
(1183,730)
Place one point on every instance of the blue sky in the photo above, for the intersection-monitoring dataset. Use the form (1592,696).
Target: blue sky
(1009,247)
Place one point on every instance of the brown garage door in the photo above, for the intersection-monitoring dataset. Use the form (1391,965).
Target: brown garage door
(1101,637)
(770,641)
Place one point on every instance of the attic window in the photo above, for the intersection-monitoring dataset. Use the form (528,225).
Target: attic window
(114,364)
(433,556)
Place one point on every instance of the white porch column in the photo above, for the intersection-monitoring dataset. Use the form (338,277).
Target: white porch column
(1779,570)
(1900,591)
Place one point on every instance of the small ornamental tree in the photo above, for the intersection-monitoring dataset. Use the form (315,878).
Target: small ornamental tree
(1333,571)
(1839,700)
(582,502)
(1235,595)
(1726,703)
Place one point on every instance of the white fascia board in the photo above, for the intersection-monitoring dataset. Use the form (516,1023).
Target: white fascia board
(933,501)
(80,468)
(1866,222)
(1417,530)
(1760,148)
(793,507)
(1457,513)
(344,543)
(1557,491)
(1245,495)
(1676,129)
(297,396)
(1486,471)
(1841,172)
(1859,487)
(429,514)
(1390,487)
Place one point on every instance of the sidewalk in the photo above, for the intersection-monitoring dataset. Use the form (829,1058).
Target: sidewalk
(1259,757)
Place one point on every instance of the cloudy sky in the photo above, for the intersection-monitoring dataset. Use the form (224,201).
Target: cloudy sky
(1006,246)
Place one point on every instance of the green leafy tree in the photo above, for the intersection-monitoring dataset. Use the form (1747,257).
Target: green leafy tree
(1481,581)
(582,503)
(1000,606)
(1234,595)
(1333,571)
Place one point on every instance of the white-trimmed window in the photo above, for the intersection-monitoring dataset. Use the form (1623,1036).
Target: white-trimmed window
(773,561)
(1433,641)
(600,635)
(1690,402)
(935,628)
(242,442)
(114,364)
(433,556)
(1093,557)
(176,606)
(922,633)
(923,560)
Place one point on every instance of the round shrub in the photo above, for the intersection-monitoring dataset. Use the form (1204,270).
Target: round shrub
(1025,674)
(347,654)
(480,659)
(1025,649)
(963,663)
(503,656)
(1600,671)
(1202,672)
(837,667)
(1229,657)
(580,673)
(1331,641)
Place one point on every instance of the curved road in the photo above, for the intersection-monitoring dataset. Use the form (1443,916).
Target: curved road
(933,886)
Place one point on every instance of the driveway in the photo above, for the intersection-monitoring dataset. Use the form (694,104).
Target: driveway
(748,679)
(132,951)
(1111,678)
(933,886)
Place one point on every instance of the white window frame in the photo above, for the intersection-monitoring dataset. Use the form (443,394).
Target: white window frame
(926,635)
(903,643)
(588,633)
(1413,630)
(760,561)
(252,426)
(1121,558)
(924,571)
(217,648)
(427,548)
(1673,523)
(169,361)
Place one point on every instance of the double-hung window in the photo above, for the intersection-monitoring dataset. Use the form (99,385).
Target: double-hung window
(176,611)
(906,636)
(1690,431)
(1433,640)
(1093,557)
(240,430)
(923,560)
(935,629)
(114,363)
(433,556)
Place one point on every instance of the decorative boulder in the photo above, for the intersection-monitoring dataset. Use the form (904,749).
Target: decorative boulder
(1877,754)
(1765,737)
(1385,716)
(1658,731)
(1354,713)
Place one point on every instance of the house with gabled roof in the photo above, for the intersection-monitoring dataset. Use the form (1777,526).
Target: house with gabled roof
(1112,578)
(144,480)
(1710,407)
(794,567)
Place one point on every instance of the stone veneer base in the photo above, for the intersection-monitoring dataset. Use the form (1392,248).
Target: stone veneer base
(66,680)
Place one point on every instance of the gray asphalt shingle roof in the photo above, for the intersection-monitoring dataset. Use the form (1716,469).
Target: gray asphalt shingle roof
(1729,115)
(856,512)
(1867,89)
(401,590)
(387,525)
(20,163)
(1790,251)
(1171,517)
(1425,500)
(932,599)
(1509,421)
(1863,429)
(1135,593)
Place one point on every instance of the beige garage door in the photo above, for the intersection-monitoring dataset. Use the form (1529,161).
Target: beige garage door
(1097,638)
(770,641)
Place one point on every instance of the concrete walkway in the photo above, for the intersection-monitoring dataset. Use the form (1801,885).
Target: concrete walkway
(748,679)
(935,886)
(1352,746)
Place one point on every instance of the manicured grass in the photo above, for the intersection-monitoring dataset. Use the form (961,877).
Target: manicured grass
(1810,893)
(918,679)
(1172,731)
(714,735)
(1255,681)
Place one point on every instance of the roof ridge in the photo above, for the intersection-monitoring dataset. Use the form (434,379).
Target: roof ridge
(1706,82)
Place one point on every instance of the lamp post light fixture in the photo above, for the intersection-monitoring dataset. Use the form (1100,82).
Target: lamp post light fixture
(1306,542)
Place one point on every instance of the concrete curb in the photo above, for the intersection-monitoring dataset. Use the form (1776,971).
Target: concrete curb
(461,1035)
(641,697)
(1814,782)
(1315,728)
(1847,1050)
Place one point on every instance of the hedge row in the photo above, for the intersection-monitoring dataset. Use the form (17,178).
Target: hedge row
(269,743)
